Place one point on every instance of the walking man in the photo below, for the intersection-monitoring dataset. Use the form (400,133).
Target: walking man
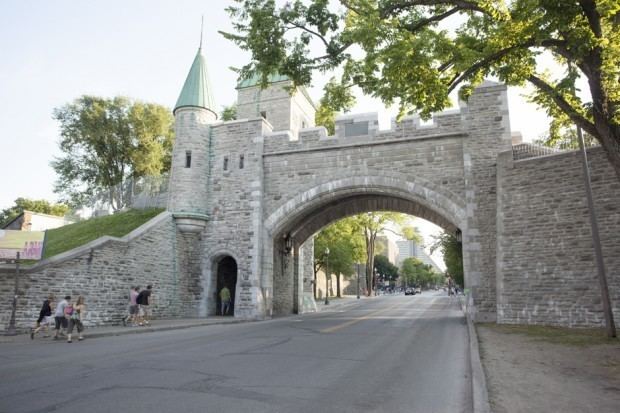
(225,299)
(59,317)
(144,300)
(133,307)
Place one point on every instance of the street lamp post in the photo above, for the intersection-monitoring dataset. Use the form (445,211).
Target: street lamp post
(326,276)
(358,279)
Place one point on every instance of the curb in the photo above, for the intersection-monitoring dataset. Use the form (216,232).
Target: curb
(479,389)
(154,329)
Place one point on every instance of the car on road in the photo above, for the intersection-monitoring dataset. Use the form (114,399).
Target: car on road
(409,291)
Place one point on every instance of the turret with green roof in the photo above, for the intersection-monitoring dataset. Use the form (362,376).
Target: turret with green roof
(196,90)
(194,114)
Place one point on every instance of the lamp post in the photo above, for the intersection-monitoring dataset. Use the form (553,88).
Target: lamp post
(326,276)
(358,279)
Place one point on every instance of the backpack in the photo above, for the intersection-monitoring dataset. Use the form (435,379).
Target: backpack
(68,310)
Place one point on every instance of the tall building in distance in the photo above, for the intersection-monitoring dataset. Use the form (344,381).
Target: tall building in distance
(388,248)
(407,249)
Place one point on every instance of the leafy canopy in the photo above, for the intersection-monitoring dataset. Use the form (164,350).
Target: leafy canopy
(104,142)
(416,52)
(452,251)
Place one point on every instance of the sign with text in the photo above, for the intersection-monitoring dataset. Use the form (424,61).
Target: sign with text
(28,243)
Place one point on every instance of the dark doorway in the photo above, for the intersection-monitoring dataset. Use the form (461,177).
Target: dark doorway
(226,276)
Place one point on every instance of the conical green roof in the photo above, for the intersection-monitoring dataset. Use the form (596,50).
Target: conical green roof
(196,91)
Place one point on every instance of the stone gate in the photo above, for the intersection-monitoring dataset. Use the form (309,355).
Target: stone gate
(247,196)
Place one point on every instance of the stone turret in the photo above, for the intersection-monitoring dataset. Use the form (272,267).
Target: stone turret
(194,112)
(283,110)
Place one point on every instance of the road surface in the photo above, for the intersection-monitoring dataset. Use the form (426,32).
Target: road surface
(385,354)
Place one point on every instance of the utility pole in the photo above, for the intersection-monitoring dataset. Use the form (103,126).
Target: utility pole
(596,240)
(11,331)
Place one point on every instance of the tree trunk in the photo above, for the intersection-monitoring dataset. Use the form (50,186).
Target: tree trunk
(338,285)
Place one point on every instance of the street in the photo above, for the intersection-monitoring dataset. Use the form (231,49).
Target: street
(385,354)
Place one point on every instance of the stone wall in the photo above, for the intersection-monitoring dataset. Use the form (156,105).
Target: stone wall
(546,272)
(103,271)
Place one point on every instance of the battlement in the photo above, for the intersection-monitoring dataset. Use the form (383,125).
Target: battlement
(363,128)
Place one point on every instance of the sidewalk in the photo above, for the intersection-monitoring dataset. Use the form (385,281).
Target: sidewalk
(176,323)
(119,330)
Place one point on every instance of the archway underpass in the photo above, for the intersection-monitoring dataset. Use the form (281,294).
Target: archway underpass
(293,246)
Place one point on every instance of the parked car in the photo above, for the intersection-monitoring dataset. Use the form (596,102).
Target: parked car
(418,290)
(409,291)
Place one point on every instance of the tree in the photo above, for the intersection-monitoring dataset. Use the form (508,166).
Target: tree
(401,51)
(229,112)
(452,251)
(105,142)
(33,205)
(565,138)
(415,272)
(385,269)
(345,248)
(373,223)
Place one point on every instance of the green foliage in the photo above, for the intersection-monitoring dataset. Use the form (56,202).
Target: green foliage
(104,142)
(452,251)
(346,247)
(401,51)
(229,112)
(33,205)
(415,272)
(71,236)
(564,138)
(385,269)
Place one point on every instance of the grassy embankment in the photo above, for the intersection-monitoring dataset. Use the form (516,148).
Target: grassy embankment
(71,236)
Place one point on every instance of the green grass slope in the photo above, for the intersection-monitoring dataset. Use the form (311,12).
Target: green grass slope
(71,236)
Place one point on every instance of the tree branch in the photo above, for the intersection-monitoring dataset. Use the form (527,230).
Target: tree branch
(458,78)
(563,104)
(461,4)
(425,22)
(304,28)
(594,18)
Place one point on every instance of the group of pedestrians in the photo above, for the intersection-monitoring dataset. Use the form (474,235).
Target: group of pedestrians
(139,302)
(67,317)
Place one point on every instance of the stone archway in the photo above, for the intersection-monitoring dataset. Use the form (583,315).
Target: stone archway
(226,275)
(303,216)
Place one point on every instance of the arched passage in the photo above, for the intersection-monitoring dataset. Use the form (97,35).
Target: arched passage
(296,221)
(226,276)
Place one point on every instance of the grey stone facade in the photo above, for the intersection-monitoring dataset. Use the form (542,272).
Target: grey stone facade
(546,272)
(257,190)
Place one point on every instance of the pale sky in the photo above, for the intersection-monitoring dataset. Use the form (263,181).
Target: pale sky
(54,51)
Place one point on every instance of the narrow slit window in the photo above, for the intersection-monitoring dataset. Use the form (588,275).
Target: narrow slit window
(188,159)
(241,161)
(226,163)
(264,114)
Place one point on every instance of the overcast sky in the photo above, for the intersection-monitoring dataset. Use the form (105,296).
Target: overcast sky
(54,51)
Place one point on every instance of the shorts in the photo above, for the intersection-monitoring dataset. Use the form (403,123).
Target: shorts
(144,310)
(133,309)
(47,320)
(61,321)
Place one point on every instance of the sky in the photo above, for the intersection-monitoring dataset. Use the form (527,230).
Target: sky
(55,51)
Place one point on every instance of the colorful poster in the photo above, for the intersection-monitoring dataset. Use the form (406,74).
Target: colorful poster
(28,243)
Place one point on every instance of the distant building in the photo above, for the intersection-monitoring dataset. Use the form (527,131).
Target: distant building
(408,249)
(36,221)
(388,248)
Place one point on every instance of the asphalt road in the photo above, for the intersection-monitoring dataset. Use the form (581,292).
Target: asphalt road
(387,354)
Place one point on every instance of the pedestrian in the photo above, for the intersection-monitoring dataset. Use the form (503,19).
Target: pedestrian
(133,307)
(144,300)
(45,317)
(225,300)
(59,317)
(75,319)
